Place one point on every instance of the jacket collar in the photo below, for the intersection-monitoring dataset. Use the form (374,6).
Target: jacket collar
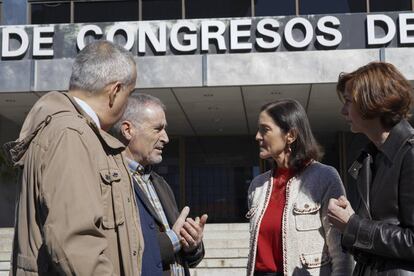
(105,138)
(398,136)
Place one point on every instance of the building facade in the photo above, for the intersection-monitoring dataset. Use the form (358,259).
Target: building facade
(213,63)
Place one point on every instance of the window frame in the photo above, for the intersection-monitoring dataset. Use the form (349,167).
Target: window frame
(72,7)
(1,12)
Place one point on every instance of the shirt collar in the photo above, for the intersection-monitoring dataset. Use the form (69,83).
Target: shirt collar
(134,166)
(88,110)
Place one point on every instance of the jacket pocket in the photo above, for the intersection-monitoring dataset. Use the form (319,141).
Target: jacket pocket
(315,260)
(111,198)
(307,216)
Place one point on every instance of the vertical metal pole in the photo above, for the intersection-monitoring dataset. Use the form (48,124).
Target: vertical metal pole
(297,6)
(368,6)
(28,13)
(183,9)
(140,10)
(72,11)
(252,6)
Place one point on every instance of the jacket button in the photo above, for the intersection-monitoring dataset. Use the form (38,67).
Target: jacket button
(134,253)
(152,226)
(115,174)
(107,177)
(128,199)
(306,206)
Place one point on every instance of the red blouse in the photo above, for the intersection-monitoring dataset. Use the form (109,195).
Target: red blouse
(269,257)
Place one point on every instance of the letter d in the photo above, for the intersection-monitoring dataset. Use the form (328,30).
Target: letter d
(5,45)
(371,20)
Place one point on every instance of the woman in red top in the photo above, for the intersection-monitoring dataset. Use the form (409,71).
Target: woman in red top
(290,233)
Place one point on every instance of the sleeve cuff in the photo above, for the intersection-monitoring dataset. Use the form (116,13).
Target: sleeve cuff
(174,240)
(350,232)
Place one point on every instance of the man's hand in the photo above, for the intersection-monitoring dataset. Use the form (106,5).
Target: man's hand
(178,225)
(339,212)
(192,233)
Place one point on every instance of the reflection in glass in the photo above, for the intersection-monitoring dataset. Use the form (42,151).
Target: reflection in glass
(50,13)
(106,11)
(387,5)
(328,6)
(274,7)
(217,8)
(218,174)
(161,9)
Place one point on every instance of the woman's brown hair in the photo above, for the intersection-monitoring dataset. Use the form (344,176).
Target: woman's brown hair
(380,91)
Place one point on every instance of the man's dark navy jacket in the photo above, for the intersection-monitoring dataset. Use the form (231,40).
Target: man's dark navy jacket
(151,259)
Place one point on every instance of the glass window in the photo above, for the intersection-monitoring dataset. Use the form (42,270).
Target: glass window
(161,9)
(218,175)
(217,8)
(387,5)
(329,6)
(106,11)
(50,13)
(274,7)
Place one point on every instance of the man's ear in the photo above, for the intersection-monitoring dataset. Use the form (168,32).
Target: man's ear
(127,130)
(291,136)
(114,89)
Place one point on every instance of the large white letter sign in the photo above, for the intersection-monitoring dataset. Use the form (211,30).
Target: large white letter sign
(308,35)
(24,38)
(80,39)
(328,30)
(207,35)
(371,20)
(38,40)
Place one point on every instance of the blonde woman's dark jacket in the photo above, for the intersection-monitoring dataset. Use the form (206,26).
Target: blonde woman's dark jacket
(381,233)
(310,245)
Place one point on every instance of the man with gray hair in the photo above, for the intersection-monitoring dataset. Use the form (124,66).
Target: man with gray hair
(173,242)
(76,212)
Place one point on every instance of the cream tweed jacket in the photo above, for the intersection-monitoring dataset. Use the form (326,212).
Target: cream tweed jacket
(310,245)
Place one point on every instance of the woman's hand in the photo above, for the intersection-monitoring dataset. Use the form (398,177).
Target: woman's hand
(339,212)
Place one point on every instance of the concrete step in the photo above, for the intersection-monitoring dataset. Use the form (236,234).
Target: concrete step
(226,227)
(222,263)
(5,256)
(226,252)
(229,235)
(6,231)
(226,243)
(4,266)
(6,245)
(218,271)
